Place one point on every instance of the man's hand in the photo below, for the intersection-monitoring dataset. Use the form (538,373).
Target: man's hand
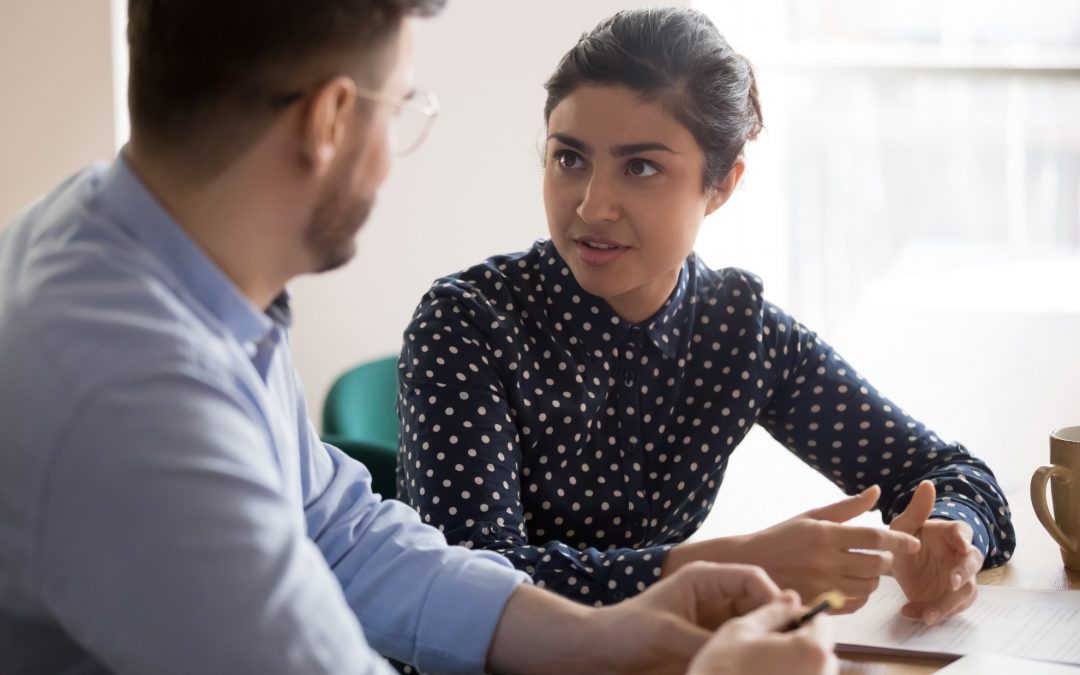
(754,644)
(813,552)
(938,579)
(655,633)
(660,630)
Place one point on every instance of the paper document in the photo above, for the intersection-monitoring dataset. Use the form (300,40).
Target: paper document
(1029,624)
(985,664)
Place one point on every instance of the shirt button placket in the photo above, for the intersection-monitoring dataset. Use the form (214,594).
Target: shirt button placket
(630,427)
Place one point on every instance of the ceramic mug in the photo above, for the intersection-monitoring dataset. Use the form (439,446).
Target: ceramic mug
(1064,524)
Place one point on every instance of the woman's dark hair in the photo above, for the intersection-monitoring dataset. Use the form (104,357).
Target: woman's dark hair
(676,56)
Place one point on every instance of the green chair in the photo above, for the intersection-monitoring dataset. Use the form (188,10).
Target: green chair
(360,418)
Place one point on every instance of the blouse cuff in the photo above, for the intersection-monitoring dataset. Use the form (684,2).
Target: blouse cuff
(632,571)
(954,510)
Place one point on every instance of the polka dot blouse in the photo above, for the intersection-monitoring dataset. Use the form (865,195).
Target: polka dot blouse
(537,423)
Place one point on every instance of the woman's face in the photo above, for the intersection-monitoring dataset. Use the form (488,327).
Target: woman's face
(623,195)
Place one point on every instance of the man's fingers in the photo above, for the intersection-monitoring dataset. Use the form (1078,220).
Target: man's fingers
(774,616)
(846,509)
(819,645)
(681,638)
(796,653)
(821,629)
(916,513)
(741,587)
(806,650)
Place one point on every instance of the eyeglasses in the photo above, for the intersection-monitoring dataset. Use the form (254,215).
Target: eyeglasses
(412,120)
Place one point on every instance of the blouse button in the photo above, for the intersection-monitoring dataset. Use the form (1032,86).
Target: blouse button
(628,377)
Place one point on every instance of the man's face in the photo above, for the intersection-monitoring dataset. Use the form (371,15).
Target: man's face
(350,187)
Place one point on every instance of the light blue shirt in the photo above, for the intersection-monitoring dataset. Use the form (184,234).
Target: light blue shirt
(165,504)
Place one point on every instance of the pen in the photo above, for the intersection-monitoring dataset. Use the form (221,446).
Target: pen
(827,600)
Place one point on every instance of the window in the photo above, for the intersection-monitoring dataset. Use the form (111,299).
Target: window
(897,133)
(915,198)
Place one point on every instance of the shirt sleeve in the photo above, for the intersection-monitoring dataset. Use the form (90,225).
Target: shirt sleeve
(461,460)
(831,417)
(418,600)
(166,545)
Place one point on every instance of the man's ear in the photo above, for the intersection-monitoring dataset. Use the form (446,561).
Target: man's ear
(719,194)
(325,122)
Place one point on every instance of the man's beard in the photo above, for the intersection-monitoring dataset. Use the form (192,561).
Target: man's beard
(331,233)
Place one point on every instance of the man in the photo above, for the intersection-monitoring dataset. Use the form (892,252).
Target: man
(167,507)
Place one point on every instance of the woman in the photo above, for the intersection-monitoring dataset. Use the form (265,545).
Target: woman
(573,407)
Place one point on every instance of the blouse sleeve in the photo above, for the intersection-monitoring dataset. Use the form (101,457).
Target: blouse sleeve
(830,416)
(460,459)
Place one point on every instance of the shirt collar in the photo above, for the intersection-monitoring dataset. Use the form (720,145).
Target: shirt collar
(667,327)
(591,320)
(127,201)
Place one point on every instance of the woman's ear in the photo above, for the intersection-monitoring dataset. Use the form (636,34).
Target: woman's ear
(325,122)
(720,193)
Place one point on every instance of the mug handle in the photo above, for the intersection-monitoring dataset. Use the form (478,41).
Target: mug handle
(1038,500)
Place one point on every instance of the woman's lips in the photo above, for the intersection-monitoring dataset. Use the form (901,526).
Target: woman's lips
(596,251)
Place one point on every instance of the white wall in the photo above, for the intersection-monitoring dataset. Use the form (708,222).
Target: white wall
(57,99)
(471,191)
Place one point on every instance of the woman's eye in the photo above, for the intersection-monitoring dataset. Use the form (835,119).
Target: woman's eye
(642,168)
(568,159)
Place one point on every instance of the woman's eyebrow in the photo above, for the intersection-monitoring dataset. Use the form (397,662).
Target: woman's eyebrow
(635,148)
(617,151)
(571,142)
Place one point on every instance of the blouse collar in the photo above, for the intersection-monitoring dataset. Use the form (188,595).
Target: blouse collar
(591,321)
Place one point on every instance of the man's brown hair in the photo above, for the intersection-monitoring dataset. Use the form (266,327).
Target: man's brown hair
(204,73)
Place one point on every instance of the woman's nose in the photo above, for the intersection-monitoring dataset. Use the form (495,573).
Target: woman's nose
(599,204)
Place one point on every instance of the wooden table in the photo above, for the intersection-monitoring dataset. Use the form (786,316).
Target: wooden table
(1036,564)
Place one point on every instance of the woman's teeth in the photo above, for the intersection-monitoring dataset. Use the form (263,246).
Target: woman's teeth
(598,246)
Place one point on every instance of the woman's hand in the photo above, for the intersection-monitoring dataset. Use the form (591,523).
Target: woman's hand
(754,644)
(939,579)
(814,552)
